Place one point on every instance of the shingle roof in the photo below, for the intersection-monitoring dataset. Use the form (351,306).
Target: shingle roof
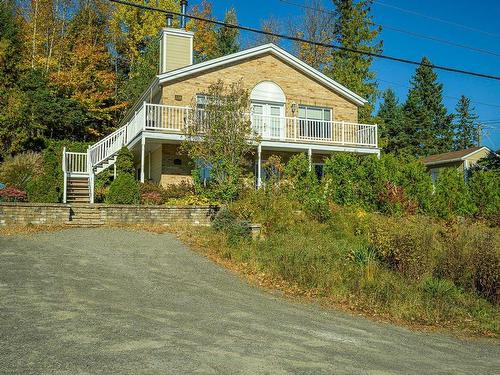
(449,156)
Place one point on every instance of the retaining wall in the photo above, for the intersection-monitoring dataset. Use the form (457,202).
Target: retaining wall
(54,214)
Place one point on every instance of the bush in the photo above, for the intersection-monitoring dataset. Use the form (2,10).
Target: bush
(407,245)
(151,194)
(43,189)
(124,190)
(125,161)
(19,170)
(180,190)
(11,194)
(484,189)
(451,196)
(227,222)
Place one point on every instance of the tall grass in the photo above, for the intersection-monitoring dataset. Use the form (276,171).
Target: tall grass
(413,270)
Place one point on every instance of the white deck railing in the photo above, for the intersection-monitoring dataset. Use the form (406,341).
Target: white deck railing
(175,119)
(76,162)
(163,118)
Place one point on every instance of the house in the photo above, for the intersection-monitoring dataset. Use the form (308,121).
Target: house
(295,108)
(462,160)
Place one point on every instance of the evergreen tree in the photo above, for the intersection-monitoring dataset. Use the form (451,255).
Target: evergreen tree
(428,128)
(354,29)
(467,129)
(226,38)
(391,127)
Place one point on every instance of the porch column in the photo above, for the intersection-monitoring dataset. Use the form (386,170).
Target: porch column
(143,147)
(310,154)
(259,162)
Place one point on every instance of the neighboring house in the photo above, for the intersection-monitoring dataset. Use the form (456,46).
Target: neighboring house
(462,160)
(295,108)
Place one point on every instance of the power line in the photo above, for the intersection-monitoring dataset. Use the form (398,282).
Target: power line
(319,44)
(437,19)
(412,33)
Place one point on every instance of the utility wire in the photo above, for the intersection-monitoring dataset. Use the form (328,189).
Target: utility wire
(319,44)
(412,33)
(437,19)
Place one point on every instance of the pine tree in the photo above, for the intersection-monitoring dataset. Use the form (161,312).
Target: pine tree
(226,38)
(391,117)
(354,29)
(467,129)
(427,127)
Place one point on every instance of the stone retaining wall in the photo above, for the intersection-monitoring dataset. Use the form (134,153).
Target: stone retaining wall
(118,214)
(54,214)
(33,213)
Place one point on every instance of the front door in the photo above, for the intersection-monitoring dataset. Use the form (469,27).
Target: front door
(268,119)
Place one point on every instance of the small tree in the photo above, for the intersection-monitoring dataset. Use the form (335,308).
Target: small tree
(220,137)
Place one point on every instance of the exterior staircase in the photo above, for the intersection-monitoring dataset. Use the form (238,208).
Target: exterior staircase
(77,189)
(84,215)
(80,168)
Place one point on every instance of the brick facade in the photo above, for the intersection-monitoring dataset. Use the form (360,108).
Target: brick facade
(297,87)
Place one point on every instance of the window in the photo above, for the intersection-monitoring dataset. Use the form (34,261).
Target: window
(315,122)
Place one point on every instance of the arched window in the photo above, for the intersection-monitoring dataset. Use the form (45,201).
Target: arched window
(268,91)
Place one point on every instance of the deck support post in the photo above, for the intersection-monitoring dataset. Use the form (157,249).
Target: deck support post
(259,162)
(310,154)
(143,147)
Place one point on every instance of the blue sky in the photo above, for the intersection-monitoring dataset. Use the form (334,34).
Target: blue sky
(481,15)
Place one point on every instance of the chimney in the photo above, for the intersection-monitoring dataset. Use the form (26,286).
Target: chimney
(176,45)
(184,4)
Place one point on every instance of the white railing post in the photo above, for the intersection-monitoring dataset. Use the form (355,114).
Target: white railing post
(376,136)
(90,171)
(295,131)
(65,175)
(342,132)
(144,116)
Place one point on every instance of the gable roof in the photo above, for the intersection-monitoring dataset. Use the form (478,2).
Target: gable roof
(259,51)
(452,156)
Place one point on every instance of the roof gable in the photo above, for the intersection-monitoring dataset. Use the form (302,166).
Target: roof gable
(260,51)
(453,156)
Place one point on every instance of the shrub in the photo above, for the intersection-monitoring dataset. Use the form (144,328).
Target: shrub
(151,194)
(11,194)
(451,196)
(124,190)
(484,189)
(409,245)
(302,178)
(393,200)
(19,170)
(180,190)
(227,222)
(43,189)
(125,161)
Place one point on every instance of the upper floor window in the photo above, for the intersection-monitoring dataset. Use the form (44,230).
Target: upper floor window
(315,113)
(315,122)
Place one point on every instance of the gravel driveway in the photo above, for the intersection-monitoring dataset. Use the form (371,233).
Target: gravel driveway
(90,301)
